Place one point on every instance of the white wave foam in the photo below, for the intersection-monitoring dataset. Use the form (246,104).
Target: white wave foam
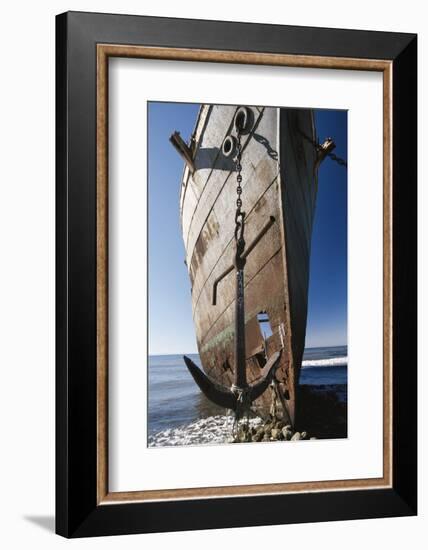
(213,430)
(333,361)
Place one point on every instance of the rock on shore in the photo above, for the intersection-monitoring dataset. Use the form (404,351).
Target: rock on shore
(273,429)
(323,411)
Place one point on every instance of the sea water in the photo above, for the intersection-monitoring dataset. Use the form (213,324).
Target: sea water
(179,414)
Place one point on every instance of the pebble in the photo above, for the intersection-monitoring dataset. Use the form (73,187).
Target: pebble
(274,430)
(287,433)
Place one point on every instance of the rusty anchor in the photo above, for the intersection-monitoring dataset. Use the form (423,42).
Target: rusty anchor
(241,395)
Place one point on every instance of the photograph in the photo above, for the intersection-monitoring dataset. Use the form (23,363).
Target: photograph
(247,274)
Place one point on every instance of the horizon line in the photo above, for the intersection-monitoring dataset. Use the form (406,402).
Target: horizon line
(197,353)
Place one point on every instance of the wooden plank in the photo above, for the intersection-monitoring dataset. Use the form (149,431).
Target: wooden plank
(207,157)
(259,171)
(222,171)
(298,157)
(204,313)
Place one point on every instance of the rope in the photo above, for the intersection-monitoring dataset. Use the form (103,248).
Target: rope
(243,404)
(273,407)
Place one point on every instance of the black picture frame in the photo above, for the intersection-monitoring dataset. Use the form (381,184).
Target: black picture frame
(77,512)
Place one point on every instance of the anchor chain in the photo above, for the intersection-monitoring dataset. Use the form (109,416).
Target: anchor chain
(239,214)
(243,401)
(337,159)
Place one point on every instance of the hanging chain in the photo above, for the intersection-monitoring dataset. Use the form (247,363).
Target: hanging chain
(318,147)
(243,403)
(337,159)
(239,214)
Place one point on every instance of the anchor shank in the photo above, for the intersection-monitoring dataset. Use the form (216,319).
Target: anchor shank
(245,253)
(240,363)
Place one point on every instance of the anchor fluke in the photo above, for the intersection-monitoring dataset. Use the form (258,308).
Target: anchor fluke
(268,372)
(228,397)
(220,395)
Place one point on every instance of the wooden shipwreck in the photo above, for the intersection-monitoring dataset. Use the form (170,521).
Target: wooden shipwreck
(279,183)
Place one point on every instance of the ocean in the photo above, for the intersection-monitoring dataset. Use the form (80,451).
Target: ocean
(179,414)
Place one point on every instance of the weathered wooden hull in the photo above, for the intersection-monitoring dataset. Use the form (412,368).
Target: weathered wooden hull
(280,180)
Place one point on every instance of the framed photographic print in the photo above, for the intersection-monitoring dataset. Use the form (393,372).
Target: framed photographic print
(236,274)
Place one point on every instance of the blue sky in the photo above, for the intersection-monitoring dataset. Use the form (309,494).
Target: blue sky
(170,321)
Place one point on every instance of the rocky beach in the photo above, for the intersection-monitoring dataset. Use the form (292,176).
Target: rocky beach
(180,415)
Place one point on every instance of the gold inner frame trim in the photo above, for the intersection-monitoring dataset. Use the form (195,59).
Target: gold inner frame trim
(104,51)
